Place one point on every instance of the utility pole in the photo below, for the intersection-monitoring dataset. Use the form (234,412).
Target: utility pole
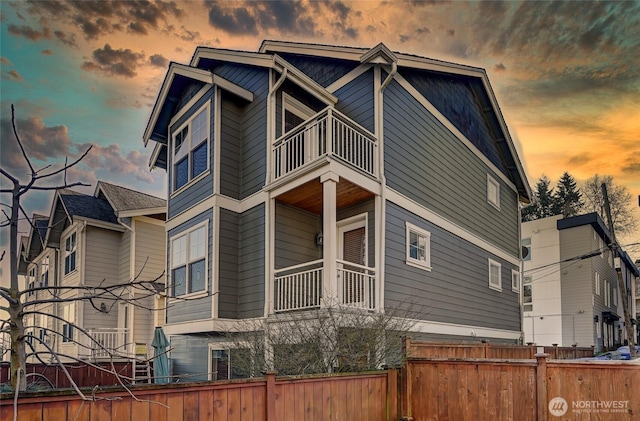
(621,285)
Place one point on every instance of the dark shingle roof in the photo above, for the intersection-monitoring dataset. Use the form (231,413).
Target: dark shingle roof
(124,199)
(78,204)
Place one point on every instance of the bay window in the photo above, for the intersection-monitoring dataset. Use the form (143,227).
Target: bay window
(191,149)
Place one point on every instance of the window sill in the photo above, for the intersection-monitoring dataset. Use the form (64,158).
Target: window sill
(516,290)
(418,265)
(191,182)
(495,288)
(190,296)
(494,205)
(70,273)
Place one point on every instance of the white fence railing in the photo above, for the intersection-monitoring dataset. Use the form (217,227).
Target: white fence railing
(356,285)
(328,133)
(298,287)
(105,343)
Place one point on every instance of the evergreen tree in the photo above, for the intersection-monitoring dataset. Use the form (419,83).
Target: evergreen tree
(568,199)
(543,202)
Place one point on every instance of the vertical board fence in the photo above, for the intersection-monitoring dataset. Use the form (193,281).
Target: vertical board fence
(82,374)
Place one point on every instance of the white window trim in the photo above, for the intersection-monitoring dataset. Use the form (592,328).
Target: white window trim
(224,346)
(296,107)
(515,275)
(190,148)
(499,265)
(426,264)
(493,182)
(523,295)
(69,321)
(597,281)
(64,253)
(186,233)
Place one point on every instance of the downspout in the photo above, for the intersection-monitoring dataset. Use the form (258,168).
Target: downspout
(383,219)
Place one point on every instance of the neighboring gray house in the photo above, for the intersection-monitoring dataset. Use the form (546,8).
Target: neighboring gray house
(109,238)
(304,175)
(571,294)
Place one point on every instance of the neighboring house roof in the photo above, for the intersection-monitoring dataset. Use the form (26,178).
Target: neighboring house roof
(125,201)
(77,204)
(31,246)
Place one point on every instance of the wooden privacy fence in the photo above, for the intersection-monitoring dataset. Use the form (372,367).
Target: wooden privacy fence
(82,374)
(490,350)
(362,397)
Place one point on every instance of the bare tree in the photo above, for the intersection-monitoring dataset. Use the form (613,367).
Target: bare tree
(622,217)
(331,339)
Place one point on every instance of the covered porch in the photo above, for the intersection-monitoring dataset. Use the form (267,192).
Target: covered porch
(324,246)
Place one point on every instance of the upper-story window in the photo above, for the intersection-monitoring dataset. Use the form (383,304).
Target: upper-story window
(515,281)
(191,149)
(44,272)
(31,282)
(493,191)
(294,113)
(70,246)
(189,262)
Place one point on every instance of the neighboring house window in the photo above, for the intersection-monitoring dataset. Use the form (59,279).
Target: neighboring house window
(527,293)
(607,293)
(70,246)
(515,281)
(188,261)
(493,191)
(31,282)
(191,149)
(68,316)
(495,275)
(598,329)
(44,272)
(615,297)
(597,283)
(526,249)
(418,247)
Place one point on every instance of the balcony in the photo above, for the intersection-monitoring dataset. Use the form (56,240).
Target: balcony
(327,134)
(301,287)
(105,343)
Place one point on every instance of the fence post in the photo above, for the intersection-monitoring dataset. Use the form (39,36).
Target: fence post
(271,395)
(392,394)
(405,406)
(541,386)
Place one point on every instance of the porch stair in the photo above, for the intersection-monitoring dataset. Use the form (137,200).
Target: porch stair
(141,371)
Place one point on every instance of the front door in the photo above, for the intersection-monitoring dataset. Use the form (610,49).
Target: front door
(352,248)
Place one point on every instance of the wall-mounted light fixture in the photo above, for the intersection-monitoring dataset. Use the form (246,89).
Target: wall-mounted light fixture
(319,239)
(596,319)
(103,307)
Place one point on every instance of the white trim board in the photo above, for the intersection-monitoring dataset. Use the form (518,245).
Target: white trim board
(429,215)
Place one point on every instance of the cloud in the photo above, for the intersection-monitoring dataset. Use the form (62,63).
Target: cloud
(632,166)
(158,60)
(5,61)
(14,76)
(29,33)
(110,159)
(46,52)
(580,159)
(120,62)
(499,67)
(67,39)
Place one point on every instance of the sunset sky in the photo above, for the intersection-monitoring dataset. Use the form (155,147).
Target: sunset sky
(566,74)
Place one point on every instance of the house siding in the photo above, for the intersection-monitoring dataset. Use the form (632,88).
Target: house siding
(124,262)
(230,148)
(251,264)
(456,290)
(228,278)
(424,161)
(295,236)
(195,308)
(323,70)
(150,250)
(254,123)
(356,100)
(203,188)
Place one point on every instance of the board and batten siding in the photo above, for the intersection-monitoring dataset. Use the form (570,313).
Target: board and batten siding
(456,290)
(251,263)
(180,311)
(228,278)
(254,124)
(424,161)
(203,188)
(356,100)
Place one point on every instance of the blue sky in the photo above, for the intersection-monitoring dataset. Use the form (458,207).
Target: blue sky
(566,74)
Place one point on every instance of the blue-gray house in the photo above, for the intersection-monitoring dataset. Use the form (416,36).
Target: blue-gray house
(303,175)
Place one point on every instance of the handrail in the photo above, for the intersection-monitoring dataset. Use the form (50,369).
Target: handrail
(301,265)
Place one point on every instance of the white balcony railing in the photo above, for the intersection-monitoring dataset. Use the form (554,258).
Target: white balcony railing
(356,285)
(300,287)
(105,343)
(328,133)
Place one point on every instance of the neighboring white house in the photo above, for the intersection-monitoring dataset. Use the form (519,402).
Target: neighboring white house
(110,238)
(570,291)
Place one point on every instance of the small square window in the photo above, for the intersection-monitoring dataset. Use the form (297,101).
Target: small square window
(495,275)
(418,247)
(515,281)
(493,191)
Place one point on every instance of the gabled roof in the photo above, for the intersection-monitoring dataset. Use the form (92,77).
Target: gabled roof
(31,246)
(127,202)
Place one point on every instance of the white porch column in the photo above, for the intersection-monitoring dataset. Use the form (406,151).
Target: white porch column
(329,182)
